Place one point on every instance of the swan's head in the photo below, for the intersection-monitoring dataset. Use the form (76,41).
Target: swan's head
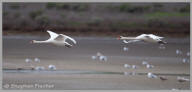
(33,41)
(119,37)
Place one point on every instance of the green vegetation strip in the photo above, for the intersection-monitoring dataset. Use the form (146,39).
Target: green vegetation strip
(167,14)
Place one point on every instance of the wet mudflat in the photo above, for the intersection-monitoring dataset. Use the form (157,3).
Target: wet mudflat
(77,70)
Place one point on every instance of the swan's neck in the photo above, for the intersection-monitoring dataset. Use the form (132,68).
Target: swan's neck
(128,38)
(40,41)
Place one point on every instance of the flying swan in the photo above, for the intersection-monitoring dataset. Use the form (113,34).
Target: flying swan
(143,37)
(57,39)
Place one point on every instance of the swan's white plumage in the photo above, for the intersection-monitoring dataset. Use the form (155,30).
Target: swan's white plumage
(67,37)
(57,39)
(125,41)
(154,36)
(52,35)
(143,37)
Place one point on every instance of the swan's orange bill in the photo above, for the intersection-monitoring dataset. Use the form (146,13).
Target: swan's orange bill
(31,42)
(118,38)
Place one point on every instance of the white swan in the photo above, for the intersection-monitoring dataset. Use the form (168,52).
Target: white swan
(143,37)
(57,39)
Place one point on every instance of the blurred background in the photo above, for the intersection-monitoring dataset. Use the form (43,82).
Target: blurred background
(97,19)
(98,61)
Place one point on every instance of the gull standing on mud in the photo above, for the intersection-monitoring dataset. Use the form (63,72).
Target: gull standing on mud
(188,53)
(39,68)
(182,79)
(100,56)
(57,39)
(163,78)
(52,67)
(127,66)
(151,75)
(125,49)
(144,63)
(148,66)
(37,60)
(143,37)
(29,61)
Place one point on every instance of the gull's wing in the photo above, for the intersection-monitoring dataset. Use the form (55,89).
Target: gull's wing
(53,35)
(130,41)
(64,37)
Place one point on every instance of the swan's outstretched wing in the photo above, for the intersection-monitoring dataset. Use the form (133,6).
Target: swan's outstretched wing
(60,38)
(53,35)
(160,37)
(65,37)
(73,40)
(154,36)
(130,41)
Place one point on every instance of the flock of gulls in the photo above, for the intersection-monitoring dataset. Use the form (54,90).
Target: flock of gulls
(30,63)
(99,56)
(60,40)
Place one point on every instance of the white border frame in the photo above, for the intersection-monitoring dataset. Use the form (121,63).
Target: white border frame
(94,1)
